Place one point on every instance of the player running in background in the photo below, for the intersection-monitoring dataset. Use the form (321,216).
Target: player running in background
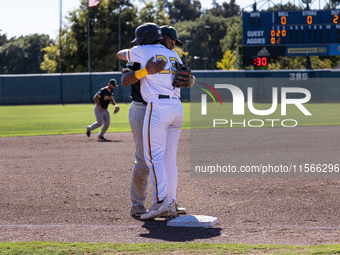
(140,172)
(163,119)
(102,99)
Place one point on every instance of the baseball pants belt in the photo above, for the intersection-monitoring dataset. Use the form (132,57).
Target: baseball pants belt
(156,97)
(166,97)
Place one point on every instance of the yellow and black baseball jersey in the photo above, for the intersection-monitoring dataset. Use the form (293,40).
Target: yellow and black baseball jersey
(160,83)
(105,97)
(135,93)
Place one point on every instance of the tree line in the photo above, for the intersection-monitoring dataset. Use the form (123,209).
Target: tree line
(212,38)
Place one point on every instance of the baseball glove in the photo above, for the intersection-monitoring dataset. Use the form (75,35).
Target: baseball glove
(183,77)
(116,109)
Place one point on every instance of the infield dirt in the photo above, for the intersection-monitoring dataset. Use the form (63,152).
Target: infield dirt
(76,189)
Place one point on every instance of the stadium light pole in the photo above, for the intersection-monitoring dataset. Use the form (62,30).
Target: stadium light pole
(88,38)
(119,35)
(196,57)
(186,51)
(60,28)
(205,47)
(89,50)
(60,68)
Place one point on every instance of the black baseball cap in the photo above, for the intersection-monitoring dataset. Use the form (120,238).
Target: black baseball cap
(147,33)
(170,31)
(113,82)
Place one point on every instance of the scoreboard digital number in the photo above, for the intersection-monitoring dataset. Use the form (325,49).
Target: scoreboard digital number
(307,32)
(260,61)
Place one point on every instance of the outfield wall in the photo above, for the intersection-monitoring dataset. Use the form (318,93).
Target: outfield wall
(81,87)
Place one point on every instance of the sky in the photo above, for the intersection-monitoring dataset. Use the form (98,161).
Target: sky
(23,17)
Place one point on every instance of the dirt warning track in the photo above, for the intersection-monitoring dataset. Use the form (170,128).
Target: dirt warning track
(76,189)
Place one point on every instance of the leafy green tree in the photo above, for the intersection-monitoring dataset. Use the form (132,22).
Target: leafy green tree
(227,62)
(51,59)
(104,37)
(225,10)
(233,39)
(205,34)
(3,39)
(23,55)
(180,10)
(180,52)
(299,63)
(154,11)
(288,7)
(332,4)
(334,59)
(318,63)
(287,63)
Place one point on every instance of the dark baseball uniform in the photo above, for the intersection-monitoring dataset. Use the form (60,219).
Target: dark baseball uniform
(105,97)
(140,171)
(102,117)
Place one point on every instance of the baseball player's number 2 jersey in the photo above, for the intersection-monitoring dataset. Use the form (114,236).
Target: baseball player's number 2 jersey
(160,83)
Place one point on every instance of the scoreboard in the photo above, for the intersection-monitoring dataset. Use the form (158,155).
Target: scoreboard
(291,33)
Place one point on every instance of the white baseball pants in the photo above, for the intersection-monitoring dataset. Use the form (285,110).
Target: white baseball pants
(161,130)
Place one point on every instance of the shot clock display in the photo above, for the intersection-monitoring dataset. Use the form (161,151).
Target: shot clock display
(260,61)
(303,32)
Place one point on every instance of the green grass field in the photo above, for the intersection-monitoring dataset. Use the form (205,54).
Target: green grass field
(33,120)
(19,121)
(43,248)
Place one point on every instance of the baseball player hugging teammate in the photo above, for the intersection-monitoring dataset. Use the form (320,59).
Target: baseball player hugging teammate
(163,115)
(102,99)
